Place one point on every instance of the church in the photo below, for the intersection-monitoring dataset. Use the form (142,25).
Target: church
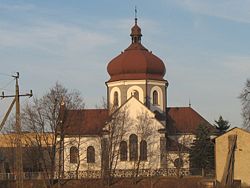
(137,130)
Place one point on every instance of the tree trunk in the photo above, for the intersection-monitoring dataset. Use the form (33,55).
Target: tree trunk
(202,172)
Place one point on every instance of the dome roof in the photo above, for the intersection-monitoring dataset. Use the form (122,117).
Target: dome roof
(136,62)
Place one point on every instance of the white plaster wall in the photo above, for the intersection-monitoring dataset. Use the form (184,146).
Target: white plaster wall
(136,82)
(160,99)
(111,99)
(172,156)
(185,139)
(84,143)
(140,91)
(135,85)
(135,109)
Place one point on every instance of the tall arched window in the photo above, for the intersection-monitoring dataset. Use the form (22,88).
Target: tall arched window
(155,98)
(133,147)
(116,100)
(73,154)
(143,150)
(123,151)
(90,154)
(136,94)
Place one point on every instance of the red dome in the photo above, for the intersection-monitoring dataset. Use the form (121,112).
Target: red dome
(136,62)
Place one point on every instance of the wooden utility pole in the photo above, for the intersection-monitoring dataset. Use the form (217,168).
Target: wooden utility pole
(18,130)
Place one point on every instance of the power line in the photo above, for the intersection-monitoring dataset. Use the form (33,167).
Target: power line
(4,74)
(6,85)
(18,156)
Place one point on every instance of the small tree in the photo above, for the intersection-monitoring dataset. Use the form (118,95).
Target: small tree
(221,125)
(245,101)
(202,150)
(177,152)
(113,135)
(144,131)
(41,117)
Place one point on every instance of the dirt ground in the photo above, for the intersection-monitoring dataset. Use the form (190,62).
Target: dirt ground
(155,182)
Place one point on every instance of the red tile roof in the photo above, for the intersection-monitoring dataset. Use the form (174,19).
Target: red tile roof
(136,62)
(91,121)
(184,120)
(85,122)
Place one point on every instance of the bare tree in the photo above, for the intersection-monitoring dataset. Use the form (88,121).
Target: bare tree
(103,104)
(8,142)
(144,130)
(113,135)
(42,118)
(245,101)
(178,144)
(8,152)
(177,152)
(30,154)
(77,156)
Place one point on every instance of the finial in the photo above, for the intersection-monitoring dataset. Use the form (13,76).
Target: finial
(189,103)
(136,31)
(135,15)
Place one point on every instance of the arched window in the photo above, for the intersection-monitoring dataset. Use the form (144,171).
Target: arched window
(136,94)
(143,150)
(133,147)
(90,154)
(73,154)
(123,151)
(155,98)
(116,100)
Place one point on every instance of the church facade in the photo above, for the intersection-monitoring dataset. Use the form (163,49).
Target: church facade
(137,131)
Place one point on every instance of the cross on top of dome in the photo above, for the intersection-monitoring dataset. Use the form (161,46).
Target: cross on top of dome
(136,62)
(136,31)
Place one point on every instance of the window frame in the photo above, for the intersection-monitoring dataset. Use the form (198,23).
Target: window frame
(136,94)
(116,98)
(123,151)
(133,147)
(90,154)
(155,98)
(73,155)
(143,150)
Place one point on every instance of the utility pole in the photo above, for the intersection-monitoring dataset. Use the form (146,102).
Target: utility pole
(18,130)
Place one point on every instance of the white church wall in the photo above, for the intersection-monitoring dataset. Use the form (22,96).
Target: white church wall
(111,98)
(130,92)
(160,105)
(184,139)
(144,88)
(82,142)
(173,156)
(142,123)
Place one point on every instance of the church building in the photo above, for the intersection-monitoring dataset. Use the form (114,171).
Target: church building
(137,130)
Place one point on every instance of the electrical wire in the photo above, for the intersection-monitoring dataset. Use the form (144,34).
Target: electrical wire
(6,85)
(4,74)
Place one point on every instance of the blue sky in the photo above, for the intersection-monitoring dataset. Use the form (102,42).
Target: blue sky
(205,46)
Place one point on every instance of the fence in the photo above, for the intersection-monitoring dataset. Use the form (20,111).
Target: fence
(116,173)
(26,175)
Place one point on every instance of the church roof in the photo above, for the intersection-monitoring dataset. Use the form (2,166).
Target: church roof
(184,120)
(85,122)
(179,120)
(136,62)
